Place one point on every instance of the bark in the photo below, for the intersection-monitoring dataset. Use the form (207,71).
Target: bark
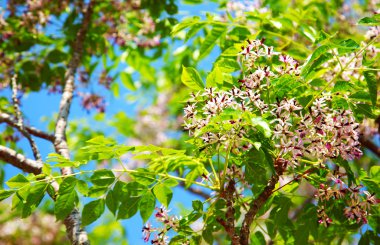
(196,191)
(20,121)
(370,146)
(20,161)
(6,118)
(73,224)
(254,207)
(280,165)
(229,222)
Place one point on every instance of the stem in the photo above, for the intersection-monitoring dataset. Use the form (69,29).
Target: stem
(341,71)
(214,172)
(287,39)
(225,167)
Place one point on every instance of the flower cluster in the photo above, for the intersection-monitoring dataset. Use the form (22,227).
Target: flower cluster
(321,133)
(351,62)
(168,222)
(204,107)
(254,50)
(92,101)
(357,201)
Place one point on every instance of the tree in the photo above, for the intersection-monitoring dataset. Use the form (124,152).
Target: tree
(276,141)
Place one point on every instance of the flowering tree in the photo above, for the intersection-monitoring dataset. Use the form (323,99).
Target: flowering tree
(277,140)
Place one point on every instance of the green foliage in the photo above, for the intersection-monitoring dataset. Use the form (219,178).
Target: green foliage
(147,53)
(66,199)
(191,78)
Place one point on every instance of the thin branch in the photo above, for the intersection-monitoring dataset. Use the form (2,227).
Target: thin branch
(20,121)
(196,191)
(370,145)
(20,161)
(72,222)
(6,118)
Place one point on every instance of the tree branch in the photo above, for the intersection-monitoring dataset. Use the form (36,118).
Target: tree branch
(20,121)
(229,222)
(72,222)
(6,118)
(370,145)
(280,165)
(20,161)
(254,207)
(196,191)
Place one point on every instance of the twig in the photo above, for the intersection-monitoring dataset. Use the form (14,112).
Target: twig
(370,145)
(20,161)
(6,118)
(196,191)
(72,222)
(20,121)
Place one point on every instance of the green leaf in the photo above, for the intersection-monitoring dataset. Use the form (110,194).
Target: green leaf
(184,24)
(143,176)
(101,140)
(227,65)
(347,46)
(67,196)
(210,40)
(321,36)
(258,238)
(194,30)
(370,78)
(163,194)
(103,177)
(214,77)
(97,191)
(315,55)
(115,89)
(56,56)
(17,181)
(92,211)
(192,175)
(342,86)
(191,78)
(4,194)
(371,184)
(147,205)
(128,207)
(62,161)
(35,195)
(135,188)
(207,236)
(197,206)
(111,201)
(364,109)
(318,62)
(370,21)
(82,187)
(375,172)
(127,81)
(262,125)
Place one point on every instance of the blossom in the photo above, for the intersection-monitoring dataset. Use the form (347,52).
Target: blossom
(146,230)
